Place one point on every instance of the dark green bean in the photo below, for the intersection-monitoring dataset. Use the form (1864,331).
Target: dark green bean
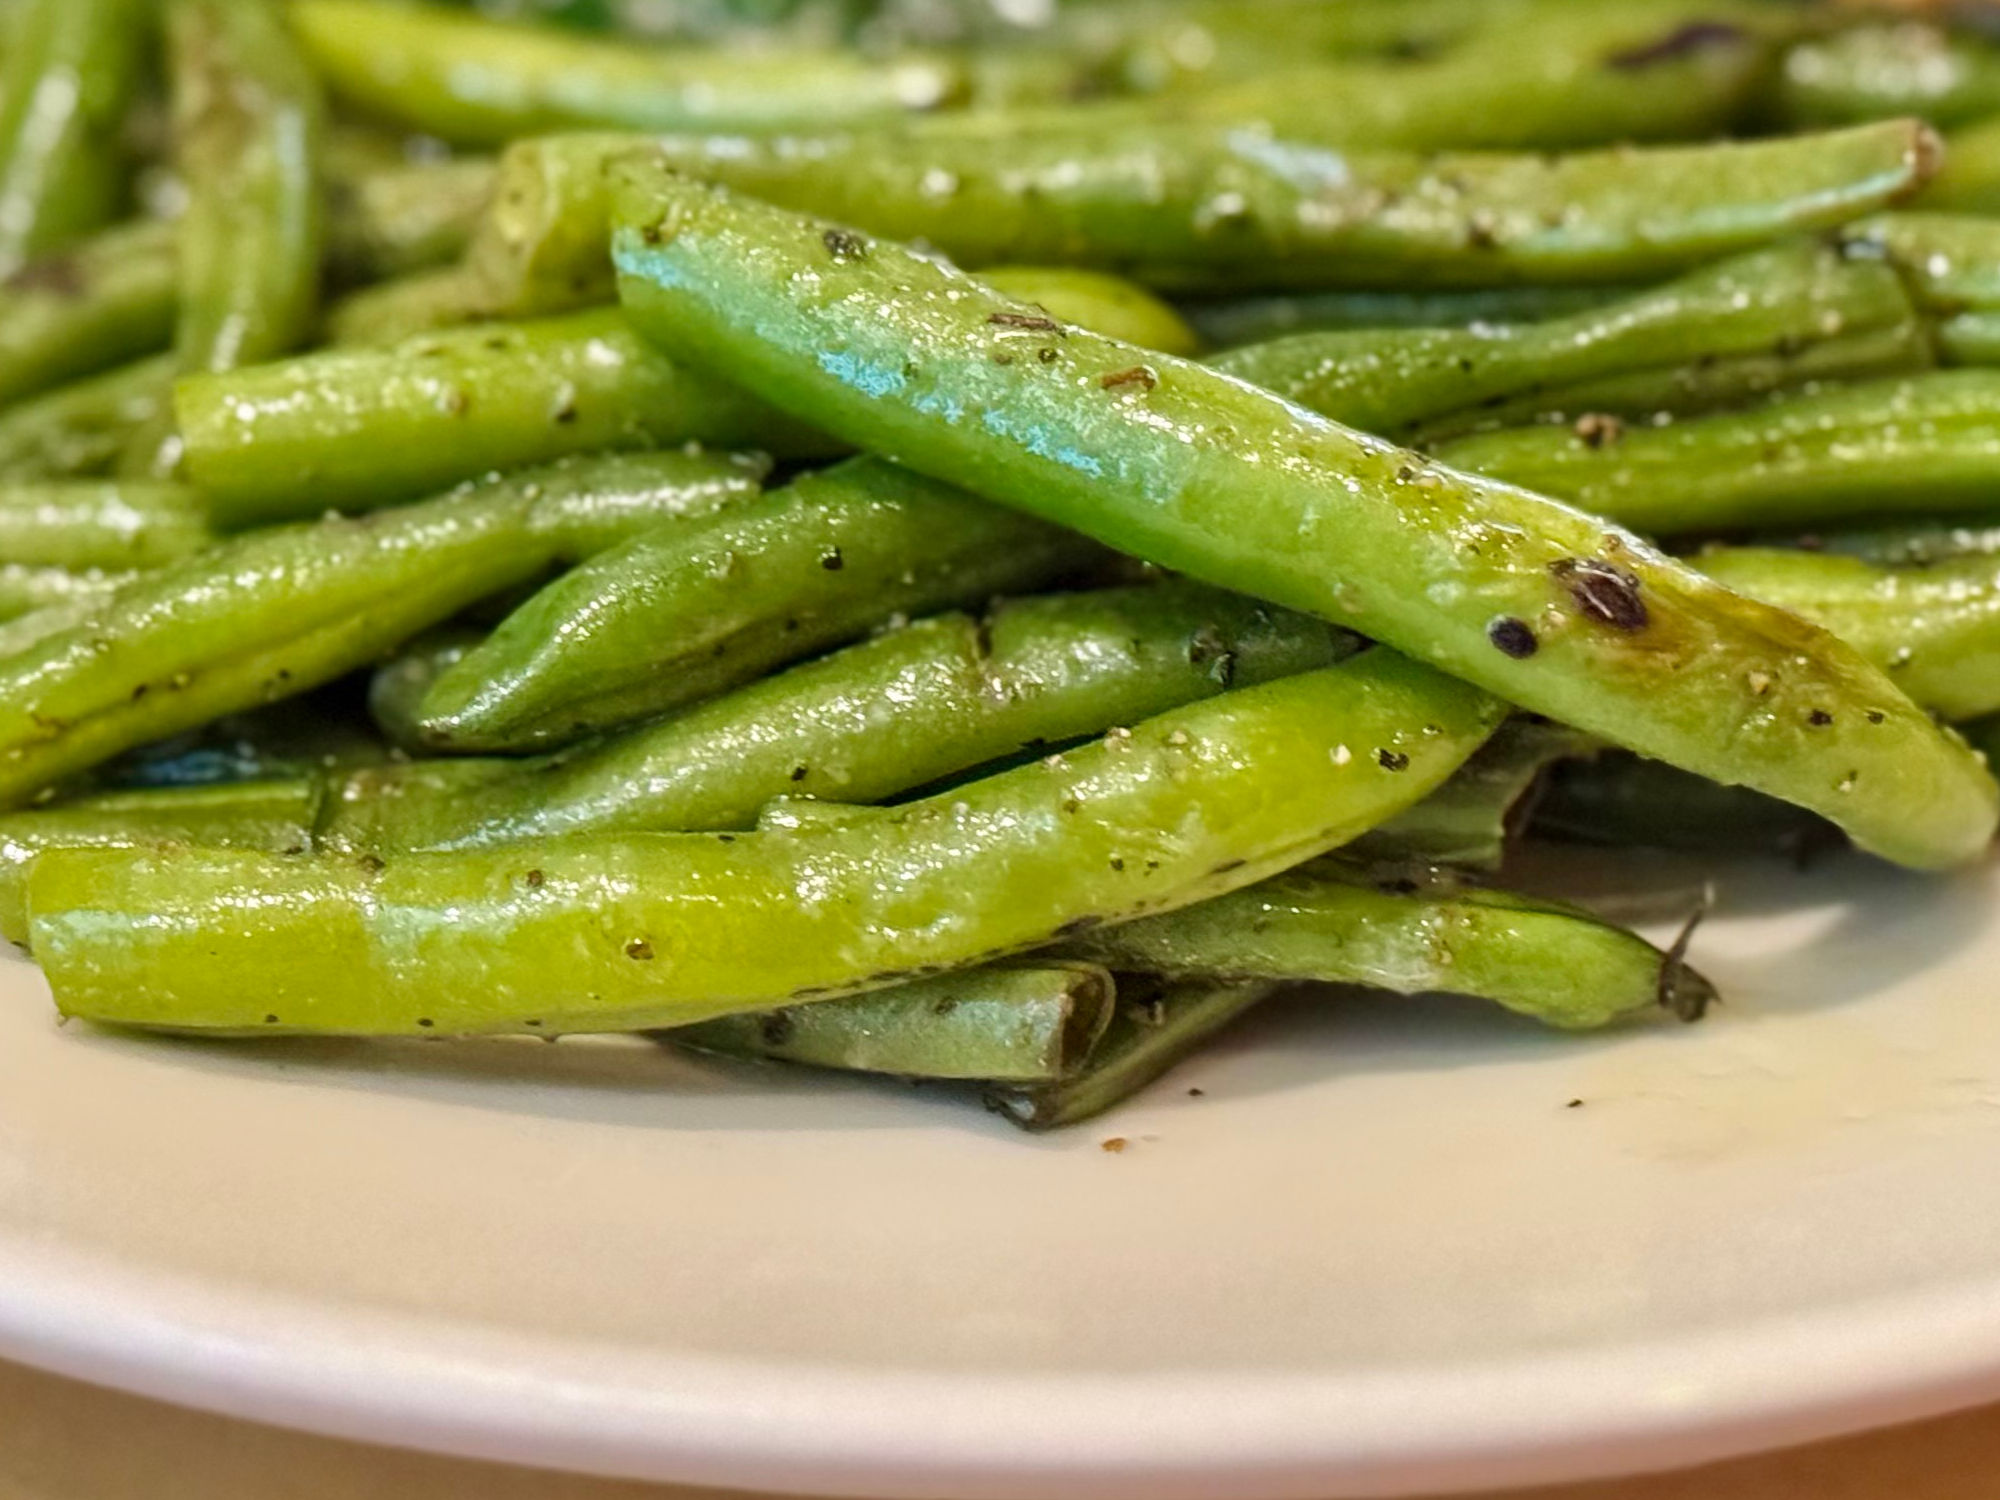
(411,216)
(1173,462)
(686,611)
(1619,799)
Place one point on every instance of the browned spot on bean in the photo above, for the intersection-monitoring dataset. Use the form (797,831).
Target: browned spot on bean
(1143,376)
(844,244)
(1512,637)
(639,948)
(1034,322)
(1606,594)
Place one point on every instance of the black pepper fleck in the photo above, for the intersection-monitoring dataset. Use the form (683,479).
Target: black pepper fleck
(1512,637)
(639,948)
(1392,760)
(777,1028)
(844,244)
(1819,718)
(832,561)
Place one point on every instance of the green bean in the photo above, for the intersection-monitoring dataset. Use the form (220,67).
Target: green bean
(277,612)
(269,815)
(247,141)
(26,630)
(406,308)
(103,301)
(26,589)
(83,427)
(1334,923)
(1935,629)
(83,524)
(1621,799)
(1194,207)
(1234,322)
(1151,1032)
(1104,304)
(1970,338)
(1781,304)
(1929,442)
(397,688)
(1952,261)
(1894,68)
(1970,180)
(887,716)
(1197,472)
(365,427)
(1918,544)
(683,612)
(315,737)
(70,69)
(1466,822)
(1011,1023)
(640,931)
(481,83)
(413,216)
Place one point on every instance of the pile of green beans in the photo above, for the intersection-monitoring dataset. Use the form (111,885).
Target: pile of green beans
(975,551)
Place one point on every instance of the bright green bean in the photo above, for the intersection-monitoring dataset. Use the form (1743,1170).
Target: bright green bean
(83,427)
(28,589)
(365,427)
(640,931)
(1153,1029)
(1176,463)
(69,73)
(1920,444)
(1784,303)
(274,613)
(1894,68)
(1334,923)
(103,301)
(247,141)
(1236,321)
(1970,338)
(1008,1023)
(1104,304)
(82,524)
(1952,261)
(682,612)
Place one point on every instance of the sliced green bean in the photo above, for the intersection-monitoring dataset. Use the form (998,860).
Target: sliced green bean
(1893,68)
(68,76)
(476,82)
(1619,799)
(413,216)
(1154,1028)
(892,714)
(686,611)
(1236,321)
(1173,462)
(1466,822)
(271,614)
(82,428)
(640,931)
(83,524)
(1935,629)
(352,429)
(1008,1023)
(1334,923)
(1924,443)
(1781,303)
(247,138)
(105,300)
(270,815)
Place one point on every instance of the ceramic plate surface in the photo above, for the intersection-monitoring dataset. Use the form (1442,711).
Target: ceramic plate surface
(1389,1246)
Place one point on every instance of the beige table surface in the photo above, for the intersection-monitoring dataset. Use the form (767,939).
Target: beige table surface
(64,1441)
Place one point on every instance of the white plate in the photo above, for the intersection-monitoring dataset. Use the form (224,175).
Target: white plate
(1378,1253)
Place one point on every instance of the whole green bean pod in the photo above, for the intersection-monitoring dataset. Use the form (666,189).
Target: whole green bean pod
(83,524)
(682,612)
(1619,799)
(892,714)
(476,82)
(247,141)
(83,427)
(101,302)
(1195,206)
(27,589)
(1920,444)
(1156,1026)
(1787,302)
(276,612)
(69,72)
(1894,68)
(366,427)
(1015,1023)
(640,931)
(412,216)
(1174,462)
(1230,323)
(1935,628)
(1334,923)
(270,815)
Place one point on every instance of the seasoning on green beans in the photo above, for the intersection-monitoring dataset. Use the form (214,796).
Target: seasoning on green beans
(1557,612)
(81,524)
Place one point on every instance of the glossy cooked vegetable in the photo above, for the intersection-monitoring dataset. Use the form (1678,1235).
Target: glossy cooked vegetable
(1926,443)
(70,70)
(1717,336)
(1026,1023)
(83,427)
(1891,68)
(277,612)
(406,217)
(100,524)
(1533,601)
(1335,923)
(1231,322)
(101,302)
(681,612)
(639,931)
